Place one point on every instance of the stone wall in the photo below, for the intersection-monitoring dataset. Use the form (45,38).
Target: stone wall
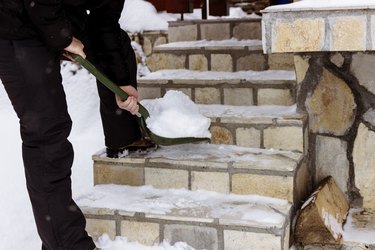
(337,91)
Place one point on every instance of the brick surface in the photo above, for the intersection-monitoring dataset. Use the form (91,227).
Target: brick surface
(348,33)
(221,62)
(97,227)
(207,96)
(211,181)
(161,178)
(275,97)
(183,33)
(284,138)
(149,92)
(238,240)
(238,96)
(215,31)
(251,30)
(142,232)
(198,62)
(255,62)
(248,137)
(114,174)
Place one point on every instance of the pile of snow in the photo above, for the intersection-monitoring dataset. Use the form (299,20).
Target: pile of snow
(176,115)
(121,243)
(324,4)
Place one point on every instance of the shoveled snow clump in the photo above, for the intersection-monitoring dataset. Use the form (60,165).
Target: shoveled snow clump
(176,115)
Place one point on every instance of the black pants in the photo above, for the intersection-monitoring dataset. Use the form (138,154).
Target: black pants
(31,76)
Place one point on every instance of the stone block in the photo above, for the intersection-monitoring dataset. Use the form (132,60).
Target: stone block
(275,97)
(332,160)
(143,232)
(364,164)
(300,35)
(373,31)
(207,96)
(147,46)
(238,96)
(221,62)
(255,62)
(215,31)
(149,92)
(337,59)
(115,174)
(211,181)
(265,185)
(331,107)
(198,237)
(182,33)
(302,184)
(221,135)
(251,30)
(198,62)
(248,137)
(160,40)
(348,33)
(281,61)
(158,61)
(161,178)
(97,227)
(362,69)
(239,240)
(369,116)
(284,138)
(301,64)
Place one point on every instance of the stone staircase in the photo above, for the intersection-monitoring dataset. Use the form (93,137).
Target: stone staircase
(240,191)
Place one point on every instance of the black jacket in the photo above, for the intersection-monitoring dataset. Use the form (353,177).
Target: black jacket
(55,22)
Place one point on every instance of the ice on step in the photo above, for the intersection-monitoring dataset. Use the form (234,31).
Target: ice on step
(246,209)
(176,115)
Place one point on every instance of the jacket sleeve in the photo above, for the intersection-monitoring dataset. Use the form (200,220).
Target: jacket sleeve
(50,21)
(113,51)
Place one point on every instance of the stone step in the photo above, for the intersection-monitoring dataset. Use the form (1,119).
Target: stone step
(226,55)
(215,29)
(244,88)
(219,168)
(204,220)
(265,127)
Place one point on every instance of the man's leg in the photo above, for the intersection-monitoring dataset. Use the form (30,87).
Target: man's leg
(31,76)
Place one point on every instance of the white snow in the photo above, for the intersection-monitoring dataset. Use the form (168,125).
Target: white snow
(333,223)
(212,43)
(255,210)
(250,75)
(323,5)
(355,234)
(176,115)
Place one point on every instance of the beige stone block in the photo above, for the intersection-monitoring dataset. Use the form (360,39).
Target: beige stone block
(373,31)
(186,91)
(183,33)
(302,184)
(284,138)
(161,178)
(239,240)
(331,107)
(266,185)
(158,61)
(221,135)
(215,31)
(248,137)
(147,46)
(275,97)
(300,35)
(207,96)
(149,92)
(238,96)
(362,68)
(301,65)
(281,61)
(97,227)
(348,33)
(364,164)
(243,31)
(221,62)
(121,175)
(211,181)
(160,40)
(337,59)
(255,62)
(198,62)
(143,232)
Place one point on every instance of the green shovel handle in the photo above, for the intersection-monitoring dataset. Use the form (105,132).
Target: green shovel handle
(107,82)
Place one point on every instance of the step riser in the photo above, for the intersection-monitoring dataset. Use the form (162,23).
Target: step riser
(207,234)
(218,60)
(228,177)
(239,93)
(214,30)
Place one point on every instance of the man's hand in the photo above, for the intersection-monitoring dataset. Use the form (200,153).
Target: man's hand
(131,104)
(76,47)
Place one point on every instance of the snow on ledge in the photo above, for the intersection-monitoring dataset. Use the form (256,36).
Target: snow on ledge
(317,5)
(204,43)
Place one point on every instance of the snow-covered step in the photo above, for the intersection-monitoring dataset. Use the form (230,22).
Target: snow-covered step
(243,88)
(220,168)
(215,29)
(202,219)
(225,55)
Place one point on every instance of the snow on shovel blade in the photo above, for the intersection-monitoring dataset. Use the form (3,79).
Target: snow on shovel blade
(143,113)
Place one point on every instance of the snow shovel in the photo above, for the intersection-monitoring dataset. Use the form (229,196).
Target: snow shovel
(142,114)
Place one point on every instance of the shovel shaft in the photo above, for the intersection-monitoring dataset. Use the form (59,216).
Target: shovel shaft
(108,83)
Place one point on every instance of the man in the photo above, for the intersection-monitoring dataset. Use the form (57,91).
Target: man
(33,36)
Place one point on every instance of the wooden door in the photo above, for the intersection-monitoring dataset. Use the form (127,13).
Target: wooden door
(218,8)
